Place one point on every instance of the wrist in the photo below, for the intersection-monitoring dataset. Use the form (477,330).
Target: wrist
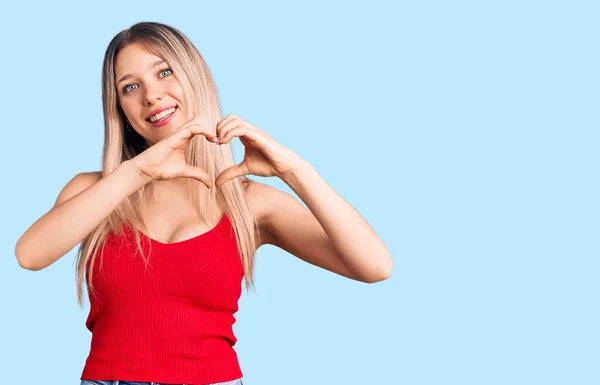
(135,174)
(297,172)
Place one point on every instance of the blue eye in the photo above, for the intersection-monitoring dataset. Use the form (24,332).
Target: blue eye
(128,89)
(166,70)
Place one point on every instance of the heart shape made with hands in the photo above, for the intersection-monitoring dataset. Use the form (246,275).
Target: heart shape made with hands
(263,155)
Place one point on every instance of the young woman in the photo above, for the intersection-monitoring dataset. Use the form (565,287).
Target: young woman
(170,226)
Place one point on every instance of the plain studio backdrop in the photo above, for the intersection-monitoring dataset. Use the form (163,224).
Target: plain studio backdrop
(465,132)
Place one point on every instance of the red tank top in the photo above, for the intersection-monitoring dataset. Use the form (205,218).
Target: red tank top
(170,321)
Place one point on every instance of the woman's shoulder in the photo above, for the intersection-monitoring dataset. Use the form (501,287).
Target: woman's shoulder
(258,191)
(262,199)
(88,177)
(77,184)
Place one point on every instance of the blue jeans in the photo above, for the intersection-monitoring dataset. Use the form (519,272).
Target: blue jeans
(90,382)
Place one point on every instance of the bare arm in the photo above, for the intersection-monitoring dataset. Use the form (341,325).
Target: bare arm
(330,234)
(81,206)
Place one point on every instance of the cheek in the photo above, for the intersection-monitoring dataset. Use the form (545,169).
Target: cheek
(130,110)
(176,91)
(178,94)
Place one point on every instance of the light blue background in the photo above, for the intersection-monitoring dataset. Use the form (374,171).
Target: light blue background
(465,132)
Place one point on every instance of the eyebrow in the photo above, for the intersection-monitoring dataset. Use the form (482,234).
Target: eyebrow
(155,64)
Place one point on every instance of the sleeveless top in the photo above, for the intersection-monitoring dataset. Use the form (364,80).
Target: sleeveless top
(168,321)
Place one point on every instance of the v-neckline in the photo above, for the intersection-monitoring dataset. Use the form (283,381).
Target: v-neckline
(154,241)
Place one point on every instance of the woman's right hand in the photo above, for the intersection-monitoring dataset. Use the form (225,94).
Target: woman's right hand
(166,159)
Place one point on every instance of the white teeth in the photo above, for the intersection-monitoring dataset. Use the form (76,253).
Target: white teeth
(161,115)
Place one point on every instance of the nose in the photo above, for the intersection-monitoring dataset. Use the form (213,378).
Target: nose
(152,94)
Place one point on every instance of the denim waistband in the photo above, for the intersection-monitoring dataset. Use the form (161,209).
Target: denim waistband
(118,382)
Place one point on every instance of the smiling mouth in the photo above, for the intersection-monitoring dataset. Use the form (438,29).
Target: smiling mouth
(161,115)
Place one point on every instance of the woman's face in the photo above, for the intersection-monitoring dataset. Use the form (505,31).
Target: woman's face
(149,94)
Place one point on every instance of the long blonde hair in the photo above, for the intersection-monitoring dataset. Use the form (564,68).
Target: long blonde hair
(121,144)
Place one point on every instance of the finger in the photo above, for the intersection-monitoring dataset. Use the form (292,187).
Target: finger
(223,131)
(203,129)
(203,122)
(249,130)
(226,120)
(229,122)
(245,132)
(196,128)
(231,118)
(231,173)
(197,173)
(195,120)
(227,125)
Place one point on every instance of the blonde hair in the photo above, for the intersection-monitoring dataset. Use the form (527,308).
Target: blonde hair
(121,145)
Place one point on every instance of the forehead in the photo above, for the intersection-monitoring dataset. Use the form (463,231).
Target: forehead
(134,59)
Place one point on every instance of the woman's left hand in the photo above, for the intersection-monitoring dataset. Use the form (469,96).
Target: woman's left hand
(263,155)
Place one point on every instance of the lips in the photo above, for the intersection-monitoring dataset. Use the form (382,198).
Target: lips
(158,111)
(165,117)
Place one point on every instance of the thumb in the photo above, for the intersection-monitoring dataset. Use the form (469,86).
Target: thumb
(230,173)
(198,174)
